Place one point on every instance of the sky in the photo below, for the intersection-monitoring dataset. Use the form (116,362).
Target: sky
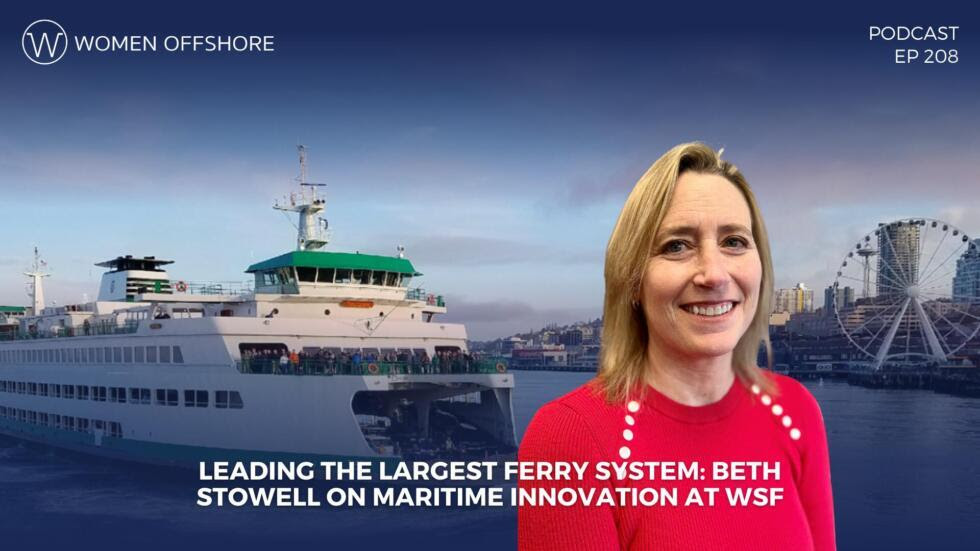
(497,146)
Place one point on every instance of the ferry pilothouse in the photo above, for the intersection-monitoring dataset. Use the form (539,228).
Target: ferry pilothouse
(325,355)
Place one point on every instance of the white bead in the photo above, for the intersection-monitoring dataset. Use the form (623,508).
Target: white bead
(787,421)
(766,399)
(633,406)
(628,435)
(624,452)
(794,433)
(630,421)
(777,409)
(756,389)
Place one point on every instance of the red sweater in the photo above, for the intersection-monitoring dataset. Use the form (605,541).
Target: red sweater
(745,425)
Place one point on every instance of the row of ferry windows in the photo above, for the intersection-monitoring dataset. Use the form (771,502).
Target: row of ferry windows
(223,399)
(285,276)
(97,355)
(66,422)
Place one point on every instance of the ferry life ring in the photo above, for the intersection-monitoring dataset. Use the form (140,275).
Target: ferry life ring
(180,286)
(373,369)
(501,368)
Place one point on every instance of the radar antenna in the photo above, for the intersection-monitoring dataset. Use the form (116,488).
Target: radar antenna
(312,231)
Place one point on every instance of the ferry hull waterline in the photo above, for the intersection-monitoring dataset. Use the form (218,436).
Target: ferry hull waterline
(326,356)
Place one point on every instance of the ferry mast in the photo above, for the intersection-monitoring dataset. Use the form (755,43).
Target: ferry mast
(312,230)
(37,289)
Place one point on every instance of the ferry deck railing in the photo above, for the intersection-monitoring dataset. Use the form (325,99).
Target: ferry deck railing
(74,331)
(341,367)
(419,293)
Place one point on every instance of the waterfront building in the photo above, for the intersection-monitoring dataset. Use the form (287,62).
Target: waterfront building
(966,282)
(795,300)
(841,297)
(898,257)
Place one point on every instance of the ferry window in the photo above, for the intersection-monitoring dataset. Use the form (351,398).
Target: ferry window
(305,274)
(134,396)
(117,394)
(405,280)
(138,354)
(286,276)
(81,392)
(227,399)
(92,355)
(32,388)
(83,425)
(43,418)
(68,391)
(69,422)
(166,397)
(343,276)
(42,389)
(108,354)
(98,393)
(196,398)
(99,425)
(145,396)
(116,354)
(32,417)
(100,355)
(77,356)
(325,275)
(391,280)
(268,278)
(164,354)
(56,391)
(115,429)
(378,278)
(128,354)
(178,355)
(151,354)
(362,276)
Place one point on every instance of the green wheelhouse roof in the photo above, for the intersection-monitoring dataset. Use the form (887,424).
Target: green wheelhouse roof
(14,309)
(320,259)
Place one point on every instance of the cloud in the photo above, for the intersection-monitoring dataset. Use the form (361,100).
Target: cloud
(461,250)
(495,319)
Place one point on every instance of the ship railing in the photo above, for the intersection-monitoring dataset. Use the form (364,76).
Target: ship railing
(213,287)
(419,293)
(84,330)
(338,367)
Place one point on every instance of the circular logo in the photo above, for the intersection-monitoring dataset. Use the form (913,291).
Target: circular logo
(44,42)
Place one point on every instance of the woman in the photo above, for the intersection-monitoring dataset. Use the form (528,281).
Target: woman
(688,291)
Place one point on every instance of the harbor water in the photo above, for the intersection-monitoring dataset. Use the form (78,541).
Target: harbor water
(905,469)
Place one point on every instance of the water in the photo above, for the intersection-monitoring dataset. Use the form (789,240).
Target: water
(905,468)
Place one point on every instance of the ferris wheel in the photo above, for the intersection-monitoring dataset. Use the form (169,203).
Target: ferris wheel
(896,298)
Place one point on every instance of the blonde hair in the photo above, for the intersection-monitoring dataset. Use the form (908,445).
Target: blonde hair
(623,360)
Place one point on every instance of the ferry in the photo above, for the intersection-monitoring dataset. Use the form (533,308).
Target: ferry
(325,355)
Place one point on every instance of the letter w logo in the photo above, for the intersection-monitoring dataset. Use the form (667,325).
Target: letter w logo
(44,42)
